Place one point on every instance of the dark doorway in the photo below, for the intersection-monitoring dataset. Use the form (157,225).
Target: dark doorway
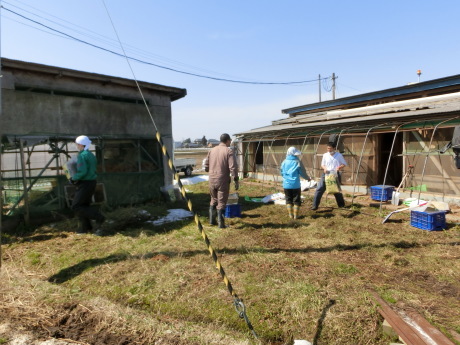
(260,154)
(254,156)
(395,167)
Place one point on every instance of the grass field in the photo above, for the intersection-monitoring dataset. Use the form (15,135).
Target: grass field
(304,279)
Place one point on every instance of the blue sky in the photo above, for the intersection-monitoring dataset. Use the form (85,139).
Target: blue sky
(370,45)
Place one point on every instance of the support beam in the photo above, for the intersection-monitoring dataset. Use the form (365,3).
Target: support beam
(437,164)
(55,156)
(24,183)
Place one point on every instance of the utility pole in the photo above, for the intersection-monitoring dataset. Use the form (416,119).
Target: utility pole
(319,86)
(333,85)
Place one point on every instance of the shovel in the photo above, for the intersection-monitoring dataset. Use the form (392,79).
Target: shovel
(403,209)
(395,195)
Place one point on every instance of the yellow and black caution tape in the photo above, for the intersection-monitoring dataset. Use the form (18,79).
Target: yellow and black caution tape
(238,303)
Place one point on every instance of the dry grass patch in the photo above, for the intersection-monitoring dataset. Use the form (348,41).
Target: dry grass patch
(304,279)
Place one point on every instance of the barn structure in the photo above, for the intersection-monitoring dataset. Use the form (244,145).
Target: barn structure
(382,135)
(44,108)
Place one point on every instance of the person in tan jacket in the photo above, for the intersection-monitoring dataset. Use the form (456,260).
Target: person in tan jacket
(221,164)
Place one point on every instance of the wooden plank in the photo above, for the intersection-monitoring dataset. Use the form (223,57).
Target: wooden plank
(407,334)
(420,323)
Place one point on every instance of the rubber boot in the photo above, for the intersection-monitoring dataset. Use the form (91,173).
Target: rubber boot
(100,220)
(84,226)
(99,229)
(289,209)
(340,200)
(296,211)
(212,215)
(220,218)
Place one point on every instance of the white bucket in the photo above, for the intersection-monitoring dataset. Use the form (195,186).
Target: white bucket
(232,199)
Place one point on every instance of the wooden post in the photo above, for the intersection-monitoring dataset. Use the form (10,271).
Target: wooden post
(333,85)
(319,87)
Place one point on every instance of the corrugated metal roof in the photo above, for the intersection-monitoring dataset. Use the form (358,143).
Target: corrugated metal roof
(434,109)
(372,96)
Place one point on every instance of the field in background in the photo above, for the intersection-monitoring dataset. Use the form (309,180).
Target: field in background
(198,154)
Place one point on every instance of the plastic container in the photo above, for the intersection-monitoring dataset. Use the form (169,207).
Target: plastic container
(431,221)
(232,199)
(382,192)
(232,211)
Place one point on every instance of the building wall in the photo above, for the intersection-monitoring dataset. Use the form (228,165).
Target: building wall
(30,113)
(45,103)
(433,173)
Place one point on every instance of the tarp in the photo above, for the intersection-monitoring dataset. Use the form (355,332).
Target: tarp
(193,180)
(273,197)
(174,215)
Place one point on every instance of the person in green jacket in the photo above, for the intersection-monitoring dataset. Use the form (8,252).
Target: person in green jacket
(85,181)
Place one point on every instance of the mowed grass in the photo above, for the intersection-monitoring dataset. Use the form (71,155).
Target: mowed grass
(304,279)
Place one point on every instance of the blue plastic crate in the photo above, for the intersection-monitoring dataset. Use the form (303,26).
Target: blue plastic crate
(232,211)
(382,192)
(431,221)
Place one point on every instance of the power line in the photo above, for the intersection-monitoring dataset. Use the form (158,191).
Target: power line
(34,27)
(351,87)
(156,65)
(104,39)
(326,86)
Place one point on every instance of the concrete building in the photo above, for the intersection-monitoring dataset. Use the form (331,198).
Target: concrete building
(44,108)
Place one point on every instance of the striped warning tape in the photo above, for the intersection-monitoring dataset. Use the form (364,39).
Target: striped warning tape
(238,303)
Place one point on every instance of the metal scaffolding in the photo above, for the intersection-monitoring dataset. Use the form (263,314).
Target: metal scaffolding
(348,136)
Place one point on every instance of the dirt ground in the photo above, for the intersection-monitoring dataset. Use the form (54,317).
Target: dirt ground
(29,324)
(27,319)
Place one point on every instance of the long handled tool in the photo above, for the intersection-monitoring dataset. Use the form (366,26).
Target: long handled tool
(395,195)
(403,209)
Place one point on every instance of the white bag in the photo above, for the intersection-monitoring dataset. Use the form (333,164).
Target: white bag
(70,167)
(273,197)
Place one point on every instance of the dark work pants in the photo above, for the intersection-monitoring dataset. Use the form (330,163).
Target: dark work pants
(292,196)
(321,188)
(219,193)
(81,205)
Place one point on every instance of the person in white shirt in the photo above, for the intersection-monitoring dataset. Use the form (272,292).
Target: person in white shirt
(333,161)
